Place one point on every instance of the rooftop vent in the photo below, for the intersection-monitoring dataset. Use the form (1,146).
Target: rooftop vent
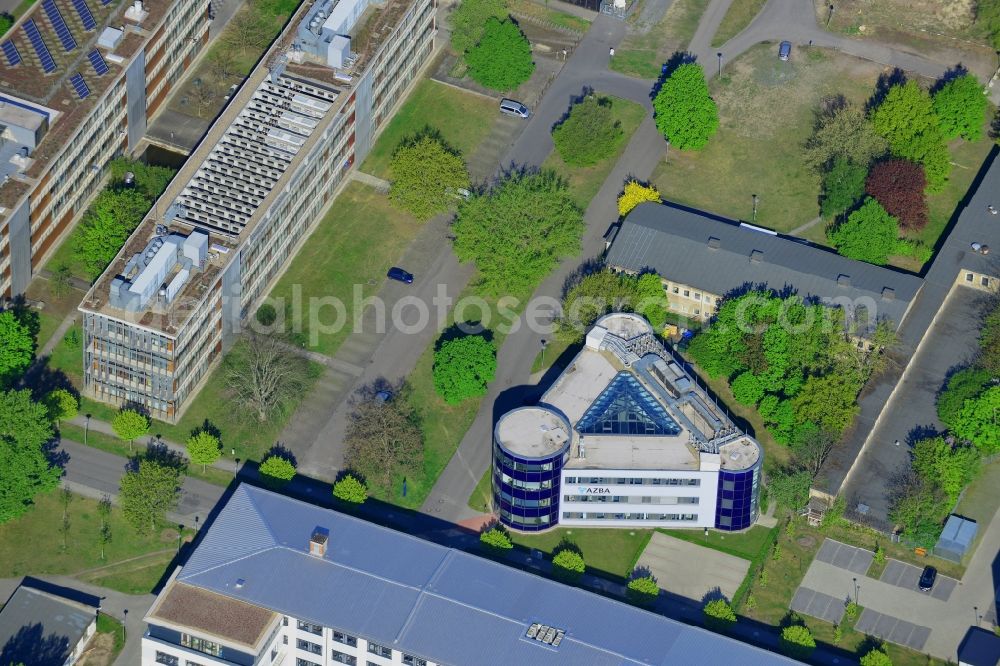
(756,257)
(318,541)
(888,293)
(240,582)
(543,633)
(844,280)
(714,242)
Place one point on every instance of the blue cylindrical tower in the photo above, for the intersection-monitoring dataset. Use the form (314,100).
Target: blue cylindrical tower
(530,446)
(739,484)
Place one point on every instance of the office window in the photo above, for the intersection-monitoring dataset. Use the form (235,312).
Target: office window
(342,658)
(311,628)
(168,659)
(676,290)
(697,296)
(201,645)
(985,281)
(308,647)
(410,660)
(686,293)
(379,650)
(968,277)
(305,662)
(284,621)
(346,639)
(195,663)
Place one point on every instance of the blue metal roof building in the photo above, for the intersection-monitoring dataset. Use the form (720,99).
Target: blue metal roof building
(445,605)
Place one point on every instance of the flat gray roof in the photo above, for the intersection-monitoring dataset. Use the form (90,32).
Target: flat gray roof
(39,629)
(719,256)
(430,601)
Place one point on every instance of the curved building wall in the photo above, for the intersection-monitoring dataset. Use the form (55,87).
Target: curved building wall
(526,489)
(738,498)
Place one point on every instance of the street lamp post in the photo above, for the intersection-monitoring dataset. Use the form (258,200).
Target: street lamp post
(86,429)
(720,62)
(124,624)
(545,343)
(755,209)
(830,16)
(236,467)
(857,589)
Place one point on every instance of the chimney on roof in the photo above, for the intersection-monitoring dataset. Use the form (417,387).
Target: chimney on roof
(844,280)
(318,541)
(714,242)
(756,257)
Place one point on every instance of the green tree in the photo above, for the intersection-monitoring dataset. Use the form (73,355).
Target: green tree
(642,590)
(601,292)
(951,468)
(568,564)
(844,133)
(17,347)
(496,538)
(204,448)
(384,438)
(789,489)
(719,615)
(843,186)
(829,401)
(651,300)
(919,507)
(868,234)
(463,367)
(517,232)
(276,471)
(989,341)
(797,641)
(468,20)
(129,424)
(25,431)
(63,405)
(590,133)
(106,226)
(906,119)
(960,105)
(501,60)
(426,174)
(350,489)
(151,181)
(979,421)
(876,657)
(6,22)
(104,511)
(147,491)
(685,113)
(747,388)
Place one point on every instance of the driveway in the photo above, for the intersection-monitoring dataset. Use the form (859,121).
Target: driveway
(692,571)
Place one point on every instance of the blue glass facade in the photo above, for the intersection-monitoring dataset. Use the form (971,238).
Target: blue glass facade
(737,499)
(526,490)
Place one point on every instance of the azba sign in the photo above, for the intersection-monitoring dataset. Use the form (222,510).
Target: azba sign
(584,490)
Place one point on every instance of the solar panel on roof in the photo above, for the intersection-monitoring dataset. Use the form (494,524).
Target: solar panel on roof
(62,30)
(85,15)
(9,50)
(97,61)
(35,37)
(105,2)
(79,85)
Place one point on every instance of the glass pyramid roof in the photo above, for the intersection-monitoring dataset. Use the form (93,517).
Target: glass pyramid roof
(625,407)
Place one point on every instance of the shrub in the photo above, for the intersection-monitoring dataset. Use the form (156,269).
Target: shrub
(868,234)
(589,134)
(463,367)
(843,185)
(568,565)
(852,609)
(876,657)
(899,186)
(276,471)
(497,538)
(350,489)
(642,590)
(719,614)
(636,193)
(797,641)
(468,20)
(963,385)
(790,489)
(685,113)
(502,58)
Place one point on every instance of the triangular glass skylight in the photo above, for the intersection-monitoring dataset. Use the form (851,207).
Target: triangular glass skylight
(626,408)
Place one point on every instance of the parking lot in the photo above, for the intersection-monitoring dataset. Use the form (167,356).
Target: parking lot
(907,577)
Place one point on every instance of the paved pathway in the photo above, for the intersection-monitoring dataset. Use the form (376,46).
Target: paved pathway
(59,333)
(120,606)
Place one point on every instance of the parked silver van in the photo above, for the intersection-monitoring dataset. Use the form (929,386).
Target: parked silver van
(514,108)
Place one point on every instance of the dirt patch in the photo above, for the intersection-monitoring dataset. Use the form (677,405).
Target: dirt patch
(100,652)
(168,536)
(806,541)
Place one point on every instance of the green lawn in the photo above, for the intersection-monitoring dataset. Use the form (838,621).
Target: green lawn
(351,249)
(67,355)
(738,16)
(65,255)
(642,55)
(545,13)
(109,625)
(139,577)
(463,118)
(482,496)
(32,544)
(749,545)
(584,182)
(613,552)
(981,499)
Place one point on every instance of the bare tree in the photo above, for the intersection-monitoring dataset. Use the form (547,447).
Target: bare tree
(382,436)
(262,372)
(248,30)
(222,64)
(203,94)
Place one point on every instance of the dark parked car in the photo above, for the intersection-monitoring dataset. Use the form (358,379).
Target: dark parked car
(785,50)
(927,579)
(398,274)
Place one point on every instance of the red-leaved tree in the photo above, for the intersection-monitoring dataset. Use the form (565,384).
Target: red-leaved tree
(899,186)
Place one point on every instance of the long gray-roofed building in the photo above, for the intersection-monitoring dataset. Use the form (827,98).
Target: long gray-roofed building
(41,629)
(310,586)
(702,258)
